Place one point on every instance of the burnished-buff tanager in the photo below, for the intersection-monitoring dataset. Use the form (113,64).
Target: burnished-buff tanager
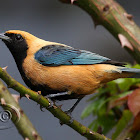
(60,71)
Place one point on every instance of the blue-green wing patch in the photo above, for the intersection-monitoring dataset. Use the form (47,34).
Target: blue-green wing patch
(55,55)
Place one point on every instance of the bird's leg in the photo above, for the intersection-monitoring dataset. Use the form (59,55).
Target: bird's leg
(66,93)
(55,95)
(73,107)
(51,103)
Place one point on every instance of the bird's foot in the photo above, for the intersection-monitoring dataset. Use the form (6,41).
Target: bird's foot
(51,103)
(69,112)
(70,120)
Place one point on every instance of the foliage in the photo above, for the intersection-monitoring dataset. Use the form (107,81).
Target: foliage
(116,106)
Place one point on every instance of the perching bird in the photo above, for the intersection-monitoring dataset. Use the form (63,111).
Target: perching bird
(58,70)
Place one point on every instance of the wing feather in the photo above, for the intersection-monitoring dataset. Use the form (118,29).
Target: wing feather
(55,55)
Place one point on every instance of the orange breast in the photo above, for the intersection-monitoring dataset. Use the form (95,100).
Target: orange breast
(80,79)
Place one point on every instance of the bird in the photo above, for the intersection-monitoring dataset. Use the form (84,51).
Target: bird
(59,71)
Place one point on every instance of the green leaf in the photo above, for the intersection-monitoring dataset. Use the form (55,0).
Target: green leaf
(95,95)
(138,136)
(107,122)
(91,108)
(120,80)
(137,66)
(102,90)
(126,117)
(112,87)
(126,84)
(94,125)
(124,94)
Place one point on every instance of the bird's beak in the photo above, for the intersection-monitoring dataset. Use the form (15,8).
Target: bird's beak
(4,37)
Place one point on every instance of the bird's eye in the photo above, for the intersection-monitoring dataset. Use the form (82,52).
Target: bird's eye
(6,34)
(18,37)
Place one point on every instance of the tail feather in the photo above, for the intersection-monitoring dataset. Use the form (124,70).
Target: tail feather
(131,70)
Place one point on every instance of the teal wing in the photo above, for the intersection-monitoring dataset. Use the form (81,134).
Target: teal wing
(55,55)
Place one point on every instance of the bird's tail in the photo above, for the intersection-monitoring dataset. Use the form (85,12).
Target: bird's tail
(135,72)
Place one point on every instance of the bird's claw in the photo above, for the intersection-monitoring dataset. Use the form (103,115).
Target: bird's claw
(69,113)
(51,103)
(70,121)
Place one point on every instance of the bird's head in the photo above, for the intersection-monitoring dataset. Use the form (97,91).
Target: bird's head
(20,41)
(17,41)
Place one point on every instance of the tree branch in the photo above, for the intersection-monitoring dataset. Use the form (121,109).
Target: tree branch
(116,20)
(56,111)
(22,123)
